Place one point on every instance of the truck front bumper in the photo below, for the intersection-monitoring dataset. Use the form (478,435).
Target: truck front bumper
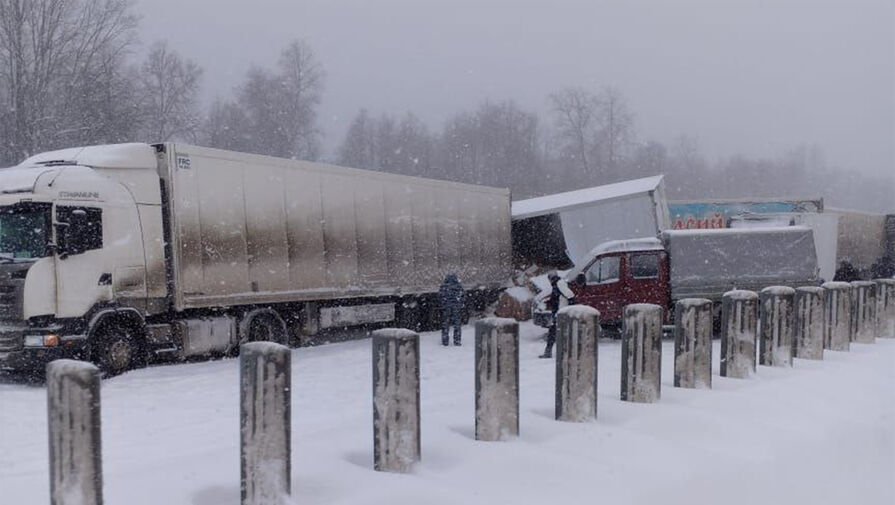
(16,356)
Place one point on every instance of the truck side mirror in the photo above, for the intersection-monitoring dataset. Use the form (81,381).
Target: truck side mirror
(71,233)
(580,279)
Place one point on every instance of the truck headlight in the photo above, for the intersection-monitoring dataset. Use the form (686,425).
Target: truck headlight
(41,340)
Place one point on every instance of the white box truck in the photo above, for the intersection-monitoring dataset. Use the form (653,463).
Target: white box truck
(122,253)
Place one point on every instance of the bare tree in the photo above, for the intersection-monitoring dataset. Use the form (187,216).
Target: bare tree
(358,149)
(50,53)
(576,116)
(225,127)
(498,145)
(281,107)
(386,144)
(169,89)
(302,81)
(617,132)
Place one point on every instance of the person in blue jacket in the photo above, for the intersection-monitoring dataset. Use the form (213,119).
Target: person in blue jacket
(452,300)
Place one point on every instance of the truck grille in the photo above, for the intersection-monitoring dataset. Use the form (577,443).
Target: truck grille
(10,341)
(7,301)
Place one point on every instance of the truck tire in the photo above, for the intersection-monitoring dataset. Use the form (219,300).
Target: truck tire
(116,348)
(266,328)
(408,314)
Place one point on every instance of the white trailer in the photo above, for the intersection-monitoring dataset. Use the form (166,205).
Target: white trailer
(119,253)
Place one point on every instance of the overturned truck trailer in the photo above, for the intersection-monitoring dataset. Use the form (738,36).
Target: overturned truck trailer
(559,229)
(120,253)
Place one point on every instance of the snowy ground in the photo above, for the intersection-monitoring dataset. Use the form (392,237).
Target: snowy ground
(821,432)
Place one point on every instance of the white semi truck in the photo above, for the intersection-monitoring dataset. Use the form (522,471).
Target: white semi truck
(124,253)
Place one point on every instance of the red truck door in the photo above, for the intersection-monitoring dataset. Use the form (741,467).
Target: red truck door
(646,279)
(603,288)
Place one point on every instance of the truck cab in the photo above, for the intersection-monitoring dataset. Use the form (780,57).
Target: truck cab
(78,251)
(622,272)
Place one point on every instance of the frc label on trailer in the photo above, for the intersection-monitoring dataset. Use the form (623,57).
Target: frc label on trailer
(183,162)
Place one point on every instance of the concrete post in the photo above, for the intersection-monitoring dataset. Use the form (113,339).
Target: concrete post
(809,332)
(775,343)
(739,333)
(496,379)
(641,353)
(837,315)
(864,311)
(73,415)
(578,329)
(885,308)
(693,343)
(265,420)
(396,400)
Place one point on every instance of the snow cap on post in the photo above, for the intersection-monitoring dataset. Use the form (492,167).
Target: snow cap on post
(641,353)
(265,422)
(864,312)
(693,343)
(776,326)
(837,315)
(496,379)
(739,333)
(808,341)
(396,400)
(885,308)
(73,415)
(578,330)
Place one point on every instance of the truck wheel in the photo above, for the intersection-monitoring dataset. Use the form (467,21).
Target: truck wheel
(408,315)
(265,328)
(116,349)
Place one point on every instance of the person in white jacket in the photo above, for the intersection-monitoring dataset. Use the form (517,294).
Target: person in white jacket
(560,296)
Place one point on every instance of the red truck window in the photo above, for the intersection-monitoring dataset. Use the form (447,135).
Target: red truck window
(604,270)
(645,266)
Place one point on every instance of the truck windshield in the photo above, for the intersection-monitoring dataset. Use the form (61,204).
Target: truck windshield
(24,230)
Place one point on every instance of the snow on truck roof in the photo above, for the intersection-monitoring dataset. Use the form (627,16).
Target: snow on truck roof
(551,204)
(20,179)
(134,155)
(615,246)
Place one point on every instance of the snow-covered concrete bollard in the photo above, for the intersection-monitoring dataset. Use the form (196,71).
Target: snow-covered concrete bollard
(578,329)
(396,400)
(885,308)
(775,343)
(693,343)
(837,315)
(809,332)
(739,333)
(73,411)
(496,379)
(641,353)
(265,420)
(864,312)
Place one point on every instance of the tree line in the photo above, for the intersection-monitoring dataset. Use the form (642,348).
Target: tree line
(68,76)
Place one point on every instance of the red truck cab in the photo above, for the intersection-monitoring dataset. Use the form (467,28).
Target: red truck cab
(623,272)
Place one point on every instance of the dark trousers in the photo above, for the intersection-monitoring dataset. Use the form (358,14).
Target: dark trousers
(450,316)
(551,333)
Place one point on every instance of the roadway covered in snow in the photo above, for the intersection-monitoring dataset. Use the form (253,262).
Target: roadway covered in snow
(820,432)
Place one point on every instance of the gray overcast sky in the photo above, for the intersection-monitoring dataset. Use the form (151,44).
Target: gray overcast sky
(744,76)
